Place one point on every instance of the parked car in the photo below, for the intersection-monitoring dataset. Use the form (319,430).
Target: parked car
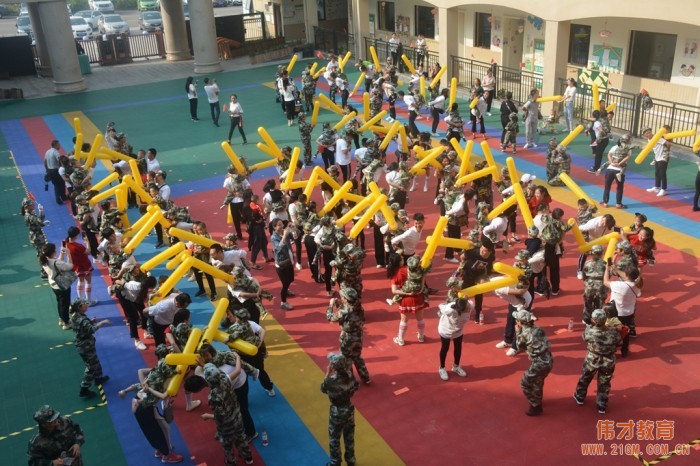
(91,16)
(81,29)
(236,3)
(103,6)
(113,24)
(4,11)
(186,9)
(148,5)
(150,21)
(23,25)
(218,3)
(23,10)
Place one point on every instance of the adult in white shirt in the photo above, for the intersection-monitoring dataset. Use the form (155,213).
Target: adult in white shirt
(518,298)
(488,83)
(624,293)
(568,99)
(235,112)
(53,265)
(437,108)
(152,165)
(410,102)
(342,83)
(212,90)
(289,87)
(191,90)
(498,228)
(342,155)
(453,317)
(235,193)
(51,165)
(594,229)
(227,260)
(410,238)
(394,48)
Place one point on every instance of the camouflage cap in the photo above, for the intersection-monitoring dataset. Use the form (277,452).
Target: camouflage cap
(402,213)
(231,237)
(338,361)
(75,305)
(27,202)
(561,149)
(348,248)
(454,281)
(301,115)
(533,231)
(211,374)
(553,143)
(597,250)
(524,316)
(624,245)
(162,351)
(403,166)
(238,270)
(46,414)
(242,313)
(349,293)
(523,255)
(483,205)
(395,206)
(598,316)
(413,262)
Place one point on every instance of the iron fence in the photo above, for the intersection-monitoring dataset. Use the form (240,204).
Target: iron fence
(339,42)
(147,45)
(519,82)
(631,118)
(254,27)
(383,50)
(114,50)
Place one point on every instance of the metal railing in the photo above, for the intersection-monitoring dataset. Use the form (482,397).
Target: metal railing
(382,48)
(519,82)
(339,42)
(147,45)
(631,118)
(254,26)
(114,51)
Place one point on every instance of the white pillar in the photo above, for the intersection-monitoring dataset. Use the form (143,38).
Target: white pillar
(61,47)
(360,22)
(206,52)
(556,57)
(174,31)
(447,27)
(44,69)
(310,19)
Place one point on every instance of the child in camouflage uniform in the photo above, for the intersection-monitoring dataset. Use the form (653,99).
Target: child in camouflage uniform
(531,338)
(561,163)
(340,385)
(85,329)
(305,130)
(35,222)
(512,130)
(617,154)
(415,282)
(308,85)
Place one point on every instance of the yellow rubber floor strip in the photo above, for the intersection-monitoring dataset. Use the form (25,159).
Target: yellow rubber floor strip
(90,130)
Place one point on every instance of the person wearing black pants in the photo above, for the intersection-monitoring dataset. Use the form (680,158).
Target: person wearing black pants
(696,207)
(235,113)
(507,107)
(237,215)
(258,238)
(191,90)
(551,261)
(478,266)
(437,108)
(379,252)
(453,317)
(614,174)
(311,249)
(54,265)
(284,266)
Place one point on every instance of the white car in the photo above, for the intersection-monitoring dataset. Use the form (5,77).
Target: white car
(113,24)
(91,16)
(103,6)
(81,29)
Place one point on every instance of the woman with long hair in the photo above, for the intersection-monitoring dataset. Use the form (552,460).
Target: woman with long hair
(410,303)
(284,264)
(453,318)
(191,90)
(80,257)
(54,265)
(132,297)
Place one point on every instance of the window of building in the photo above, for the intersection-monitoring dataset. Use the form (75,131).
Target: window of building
(579,43)
(425,21)
(385,14)
(482,34)
(651,55)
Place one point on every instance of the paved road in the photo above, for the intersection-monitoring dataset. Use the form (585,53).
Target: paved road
(8,24)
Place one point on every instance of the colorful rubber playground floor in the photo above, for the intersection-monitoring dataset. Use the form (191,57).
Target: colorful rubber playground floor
(407,415)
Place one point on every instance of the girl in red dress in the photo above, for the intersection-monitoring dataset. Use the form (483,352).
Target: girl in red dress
(410,303)
(644,244)
(80,256)
(541,197)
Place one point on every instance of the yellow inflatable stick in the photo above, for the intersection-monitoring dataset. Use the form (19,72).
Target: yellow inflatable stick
(603,240)
(345,120)
(367,216)
(141,234)
(427,157)
(269,141)
(465,156)
(314,114)
(120,195)
(375,59)
(453,92)
(390,135)
(183,360)
(696,144)
(502,207)
(344,61)
(331,106)
(139,223)
(650,145)
(473,103)
(177,260)
(490,160)
(337,197)
(408,63)
(611,107)
(172,280)
(402,135)
(438,76)
(578,236)
(140,192)
(265,164)
(93,150)
(596,97)
(432,242)
(163,256)
(422,87)
(318,73)
(610,250)
(575,188)
(291,63)
(114,176)
(507,270)
(97,198)
(77,126)
(359,82)
(313,68)
(268,150)
(551,98)
(356,209)
(680,134)
(235,161)
(286,184)
(477,174)
(380,129)
(211,270)
(572,135)
(365,105)
(187,236)
(229,217)
(389,214)
(212,332)
(135,172)
(318,174)
(378,117)
(78,148)
(110,154)
(492,285)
